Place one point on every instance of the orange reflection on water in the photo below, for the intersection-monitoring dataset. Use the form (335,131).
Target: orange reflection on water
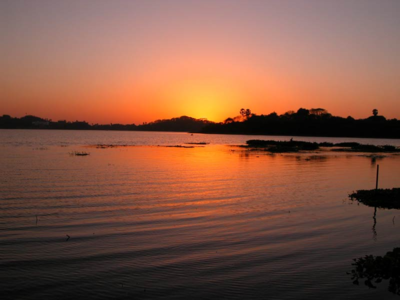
(219,181)
(165,217)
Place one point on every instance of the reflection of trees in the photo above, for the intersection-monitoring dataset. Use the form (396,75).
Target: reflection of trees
(375,269)
(314,158)
(244,154)
(375,158)
(378,198)
(374,226)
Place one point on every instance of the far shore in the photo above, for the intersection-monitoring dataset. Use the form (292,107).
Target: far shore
(209,133)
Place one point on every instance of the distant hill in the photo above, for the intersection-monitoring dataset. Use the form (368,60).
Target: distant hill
(183,124)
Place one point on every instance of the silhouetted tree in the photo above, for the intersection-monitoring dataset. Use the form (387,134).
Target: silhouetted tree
(246,113)
(228,121)
(375,112)
(318,111)
(303,112)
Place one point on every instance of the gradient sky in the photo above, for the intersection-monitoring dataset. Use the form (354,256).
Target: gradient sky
(138,61)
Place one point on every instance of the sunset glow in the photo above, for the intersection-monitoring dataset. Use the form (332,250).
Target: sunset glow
(138,61)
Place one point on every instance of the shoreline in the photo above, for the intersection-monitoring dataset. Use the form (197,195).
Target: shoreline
(210,133)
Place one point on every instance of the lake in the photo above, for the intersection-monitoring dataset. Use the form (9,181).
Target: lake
(144,220)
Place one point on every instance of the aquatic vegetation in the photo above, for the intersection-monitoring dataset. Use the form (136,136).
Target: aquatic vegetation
(105,146)
(326,144)
(201,143)
(383,198)
(281,149)
(373,156)
(41,148)
(389,148)
(368,148)
(372,148)
(347,144)
(316,158)
(76,153)
(295,146)
(375,269)
(282,146)
(178,146)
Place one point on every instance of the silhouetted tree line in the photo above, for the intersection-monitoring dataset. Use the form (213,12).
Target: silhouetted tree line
(304,122)
(33,122)
(307,122)
(184,124)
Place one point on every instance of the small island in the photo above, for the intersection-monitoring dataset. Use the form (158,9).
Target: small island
(382,198)
(296,146)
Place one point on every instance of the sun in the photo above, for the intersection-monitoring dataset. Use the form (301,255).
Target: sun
(208,100)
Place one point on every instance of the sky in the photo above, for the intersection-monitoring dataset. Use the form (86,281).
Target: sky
(139,61)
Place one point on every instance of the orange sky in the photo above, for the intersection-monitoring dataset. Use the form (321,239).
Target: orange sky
(138,61)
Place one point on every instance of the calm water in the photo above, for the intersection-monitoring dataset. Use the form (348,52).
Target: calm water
(149,222)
